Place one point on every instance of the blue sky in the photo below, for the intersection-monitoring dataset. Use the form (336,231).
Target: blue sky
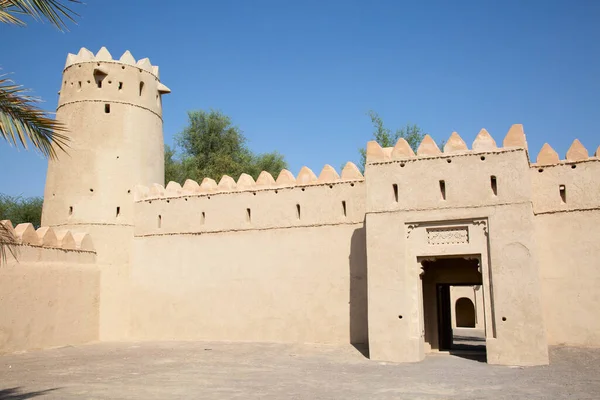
(299,76)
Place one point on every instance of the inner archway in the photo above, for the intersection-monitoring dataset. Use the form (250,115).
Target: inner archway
(465,313)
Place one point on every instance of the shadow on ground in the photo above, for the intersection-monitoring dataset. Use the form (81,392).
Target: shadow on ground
(469,347)
(17,394)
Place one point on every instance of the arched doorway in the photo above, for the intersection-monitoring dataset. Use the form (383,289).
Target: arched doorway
(465,313)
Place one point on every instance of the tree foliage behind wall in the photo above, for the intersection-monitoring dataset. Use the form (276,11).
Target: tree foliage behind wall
(210,147)
(413,134)
(20,209)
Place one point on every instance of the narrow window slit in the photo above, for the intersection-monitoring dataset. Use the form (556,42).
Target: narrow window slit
(71,210)
(248,215)
(344,207)
(141,88)
(494,184)
(120,85)
(563,193)
(443,189)
(202,218)
(160,221)
(395,187)
(107,108)
(298,211)
(118,211)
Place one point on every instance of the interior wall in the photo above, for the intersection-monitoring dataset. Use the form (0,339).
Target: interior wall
(304,284)
(473,293)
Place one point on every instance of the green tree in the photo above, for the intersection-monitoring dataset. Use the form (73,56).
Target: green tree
(413,134)
(21,121)
(211,146)
(20,209)
(174,170)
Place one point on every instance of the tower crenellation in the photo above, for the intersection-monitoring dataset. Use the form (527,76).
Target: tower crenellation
(100,78)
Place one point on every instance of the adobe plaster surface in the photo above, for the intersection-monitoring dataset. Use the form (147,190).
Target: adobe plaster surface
(48,298)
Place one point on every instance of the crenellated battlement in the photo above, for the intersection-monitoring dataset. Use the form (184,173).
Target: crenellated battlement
(104,56)
(100,79)
(459,177)
(245,183)
(485,175)
(288,201)
(48,237)
(483,143)
(566,185)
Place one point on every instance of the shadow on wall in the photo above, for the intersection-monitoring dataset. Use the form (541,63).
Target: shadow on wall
(17,394)
(358,292)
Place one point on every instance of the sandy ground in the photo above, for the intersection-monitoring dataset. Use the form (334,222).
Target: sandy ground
(207,370)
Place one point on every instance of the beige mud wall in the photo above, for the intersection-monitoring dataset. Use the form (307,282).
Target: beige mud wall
(569,239)
(50,297)
(211,273)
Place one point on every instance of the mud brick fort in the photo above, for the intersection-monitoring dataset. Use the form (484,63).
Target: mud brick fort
(378,260)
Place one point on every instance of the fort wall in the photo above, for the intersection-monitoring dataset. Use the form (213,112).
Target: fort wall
(292,268)
(50,289)
(566,199)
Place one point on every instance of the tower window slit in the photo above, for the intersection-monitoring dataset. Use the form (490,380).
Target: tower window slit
(494,184)
(141,88)
(71,210)
(443,189)
(118,211)
(202,218)
(107,108)
(298,211)
(160,221)
(344,207)
(395,187)
(120,85)
(248,215)
(563,193)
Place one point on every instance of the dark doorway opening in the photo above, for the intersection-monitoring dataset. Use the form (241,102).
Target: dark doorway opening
(444,317)
(440,276)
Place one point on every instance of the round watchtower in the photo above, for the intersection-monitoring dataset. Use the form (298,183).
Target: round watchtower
(112,110)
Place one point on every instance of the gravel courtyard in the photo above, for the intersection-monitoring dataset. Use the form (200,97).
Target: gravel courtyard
(199,370)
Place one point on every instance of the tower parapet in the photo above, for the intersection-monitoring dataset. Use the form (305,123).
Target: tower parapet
(100,78)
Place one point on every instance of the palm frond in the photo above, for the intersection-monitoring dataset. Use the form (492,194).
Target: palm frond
(7,242)
(22,121)
(6,15)
(52,10)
